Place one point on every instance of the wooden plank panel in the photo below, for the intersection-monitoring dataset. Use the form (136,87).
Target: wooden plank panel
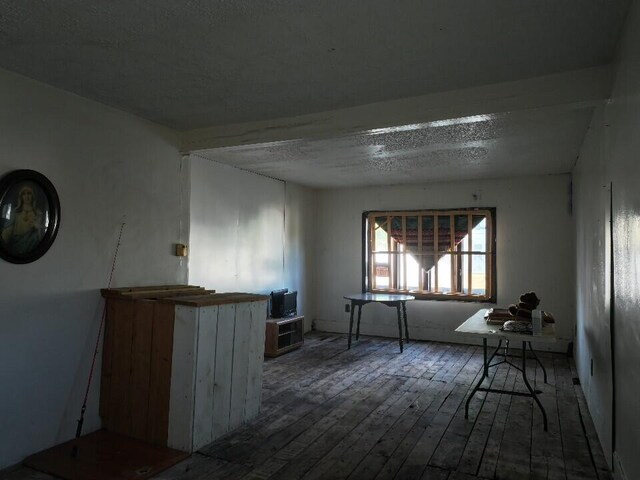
(428,442)
(599,459)
(153,288)
(371,412)
(296,417)
(119,396)
(205,369)
(514,460)
(349,452)
(578,460)
(223,369)
(201,467)
(215,299)
(484,421)
(160,374)
(107,367)
(271,339)
(102,455)
(183,374)
(397,449)
(546,450)
(140,367)
(160,294)
(344,419)
(399,439)
(253,395)
(452,445)
(492,448)
(240,369)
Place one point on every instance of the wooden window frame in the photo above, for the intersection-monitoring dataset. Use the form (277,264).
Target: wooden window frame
(456,275)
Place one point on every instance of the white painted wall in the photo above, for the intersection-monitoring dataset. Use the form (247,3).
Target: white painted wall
(610,154)
(534,251)
(249,233)
(299,247)
(108,167)
(592,215)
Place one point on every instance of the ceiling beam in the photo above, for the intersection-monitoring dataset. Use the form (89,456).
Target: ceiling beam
(580,87)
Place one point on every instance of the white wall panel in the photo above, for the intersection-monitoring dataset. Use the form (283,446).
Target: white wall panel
(534,251)
(593,286)
(237,229)
(610,155)
(205,375)
(300,247)
(624,124)
(108,167)
(250,233)
(183,377)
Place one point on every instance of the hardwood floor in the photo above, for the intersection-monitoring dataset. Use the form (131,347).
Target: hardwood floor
(373,413)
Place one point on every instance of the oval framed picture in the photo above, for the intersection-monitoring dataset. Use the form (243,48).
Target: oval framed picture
(29,216)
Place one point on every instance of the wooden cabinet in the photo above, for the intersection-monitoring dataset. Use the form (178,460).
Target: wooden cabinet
(283,335)
(181,369)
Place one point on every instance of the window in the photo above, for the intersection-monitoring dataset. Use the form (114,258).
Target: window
(432,254)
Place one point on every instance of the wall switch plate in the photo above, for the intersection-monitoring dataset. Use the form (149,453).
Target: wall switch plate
(181,250)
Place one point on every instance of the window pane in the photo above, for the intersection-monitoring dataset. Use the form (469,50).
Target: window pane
(479,234)
(381,278)
(444,274)
(396,230)
(479,275)
(413,272)
(381,258)
(412,234)
(381,239)
(462,232)
(413,263)
(428,273)
(427,235)
(465,273)
(400,282)
(444,233)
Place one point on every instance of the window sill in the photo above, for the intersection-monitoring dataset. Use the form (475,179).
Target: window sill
(442,297)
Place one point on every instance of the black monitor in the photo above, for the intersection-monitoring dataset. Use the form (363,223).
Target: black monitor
(283,303)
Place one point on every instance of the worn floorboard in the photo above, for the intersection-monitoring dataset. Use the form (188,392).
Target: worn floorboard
(373,413)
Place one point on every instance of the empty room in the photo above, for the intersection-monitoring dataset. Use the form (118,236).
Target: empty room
(319,240)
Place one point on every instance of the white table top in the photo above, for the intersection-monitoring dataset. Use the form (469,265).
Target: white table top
(477,326)
(380,297)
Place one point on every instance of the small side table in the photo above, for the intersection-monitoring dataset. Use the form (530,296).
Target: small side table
(283,335)
(390,300)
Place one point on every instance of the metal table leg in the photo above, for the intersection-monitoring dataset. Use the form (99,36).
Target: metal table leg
(486,362)
(544,370)
(350,325)
(399,326)
(358,327)
(406,326)
(485,373)
(526,382)
(495,352)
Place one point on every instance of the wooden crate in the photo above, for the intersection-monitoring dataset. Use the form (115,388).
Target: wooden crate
(283,335)
(180,371)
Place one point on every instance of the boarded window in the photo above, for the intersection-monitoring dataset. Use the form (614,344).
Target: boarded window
(440,254)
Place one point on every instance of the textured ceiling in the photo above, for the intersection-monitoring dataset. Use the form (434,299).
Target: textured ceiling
(543,141)
(200,63)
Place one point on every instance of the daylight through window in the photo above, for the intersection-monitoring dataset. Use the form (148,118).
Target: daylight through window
(440,254)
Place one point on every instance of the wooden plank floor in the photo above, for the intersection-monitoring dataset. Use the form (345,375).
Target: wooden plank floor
(373,413)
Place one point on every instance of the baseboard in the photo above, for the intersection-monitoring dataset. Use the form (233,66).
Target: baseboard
(425,333)
(618,471)
(5,471)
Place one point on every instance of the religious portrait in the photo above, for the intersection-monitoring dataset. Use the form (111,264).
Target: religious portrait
(29,214)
